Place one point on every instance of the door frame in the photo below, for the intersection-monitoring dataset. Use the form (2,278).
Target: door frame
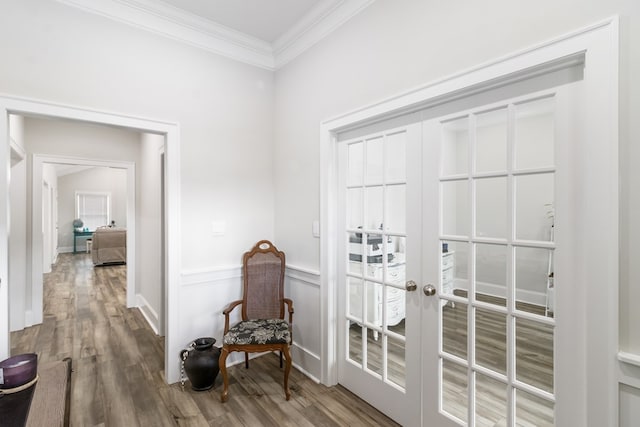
(597,45)
(171,132)
(37,245)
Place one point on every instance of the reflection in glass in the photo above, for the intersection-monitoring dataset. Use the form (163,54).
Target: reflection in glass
(374,352)
(533,411)
(455,208)
(375,159)
(355,208)
(491,141)
(534,129)
(396,157)
(455,384)
(491,207)
(395,361)
(356,164)
(454,329)
(491,400)
(455,147)
(375,209)
(395,206)
(534,354)
(534,207)
(534,276)
(354,351)
(355,298)
(454,265)
(491,273)
(491,339)
(374,303)
(395,306)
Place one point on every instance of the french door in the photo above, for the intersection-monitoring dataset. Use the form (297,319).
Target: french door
(453,239)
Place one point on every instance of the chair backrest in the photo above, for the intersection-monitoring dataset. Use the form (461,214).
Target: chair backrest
(263,275)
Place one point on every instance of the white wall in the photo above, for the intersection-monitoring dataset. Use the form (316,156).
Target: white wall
(224,109)
(392,47)
(49,186)
(18,230)
(98,179)
(150,286)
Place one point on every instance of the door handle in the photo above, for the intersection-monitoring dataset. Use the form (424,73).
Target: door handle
(411,286)
(429,290)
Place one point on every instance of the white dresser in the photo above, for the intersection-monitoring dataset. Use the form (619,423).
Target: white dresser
(395,301)
(448,264)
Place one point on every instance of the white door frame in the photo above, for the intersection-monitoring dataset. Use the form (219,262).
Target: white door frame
(35,315)
(171,132)
(599,45)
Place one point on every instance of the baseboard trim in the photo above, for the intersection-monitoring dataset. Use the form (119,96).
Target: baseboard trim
(148,312)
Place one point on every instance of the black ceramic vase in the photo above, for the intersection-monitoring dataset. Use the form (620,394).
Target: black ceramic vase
(201,363)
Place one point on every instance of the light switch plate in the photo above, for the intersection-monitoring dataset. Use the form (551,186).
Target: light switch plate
(315,228)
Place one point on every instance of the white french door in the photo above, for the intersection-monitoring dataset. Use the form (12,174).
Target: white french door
(454,237)
(492,177)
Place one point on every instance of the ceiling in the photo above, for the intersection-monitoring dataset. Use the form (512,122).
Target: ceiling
(264,19)
(264,33)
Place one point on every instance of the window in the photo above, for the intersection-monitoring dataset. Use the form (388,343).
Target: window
(93,208)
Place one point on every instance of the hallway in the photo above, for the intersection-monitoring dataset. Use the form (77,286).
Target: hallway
(118,377)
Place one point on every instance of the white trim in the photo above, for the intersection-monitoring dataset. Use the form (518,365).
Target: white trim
(171,131)
(177,24)
(148,312)
(310,277)
(599,44)
(209,276)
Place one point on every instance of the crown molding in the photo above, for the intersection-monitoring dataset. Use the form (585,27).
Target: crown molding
(321,21)
(174,23)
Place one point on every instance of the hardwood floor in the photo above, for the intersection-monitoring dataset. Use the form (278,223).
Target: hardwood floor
(118,377)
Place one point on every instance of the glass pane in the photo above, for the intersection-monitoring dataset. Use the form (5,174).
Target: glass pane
(375,159)
(491,141)
(354,208)
(491,401)
(534,354)
(395,307)
(355,298)
(534,141)
(491,273)
(354,351)
(374,303)
(455,384)
(455,147)
(375,209)
(533,411)
(396,268)
(455,275)
(356,164)
(396,208)
(374,352)
(396,157)
(395,361)
(455,208)
(355,250)
(491,340)
(372,251)
(491,207)
(534,268)
(454,329)
(534,207)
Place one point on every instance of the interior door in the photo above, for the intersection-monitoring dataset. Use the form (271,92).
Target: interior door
(379,320)
(495,174)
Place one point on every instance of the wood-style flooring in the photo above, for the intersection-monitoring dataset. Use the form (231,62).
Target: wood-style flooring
(118,377)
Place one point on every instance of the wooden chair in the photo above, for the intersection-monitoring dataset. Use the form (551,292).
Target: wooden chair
(263,326)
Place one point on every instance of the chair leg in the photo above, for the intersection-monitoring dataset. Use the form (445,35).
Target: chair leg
(287,369)
(222,361)
(246,360)
(280,360)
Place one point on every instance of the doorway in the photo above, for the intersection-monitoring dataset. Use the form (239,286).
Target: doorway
(171,136)
(433,300)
